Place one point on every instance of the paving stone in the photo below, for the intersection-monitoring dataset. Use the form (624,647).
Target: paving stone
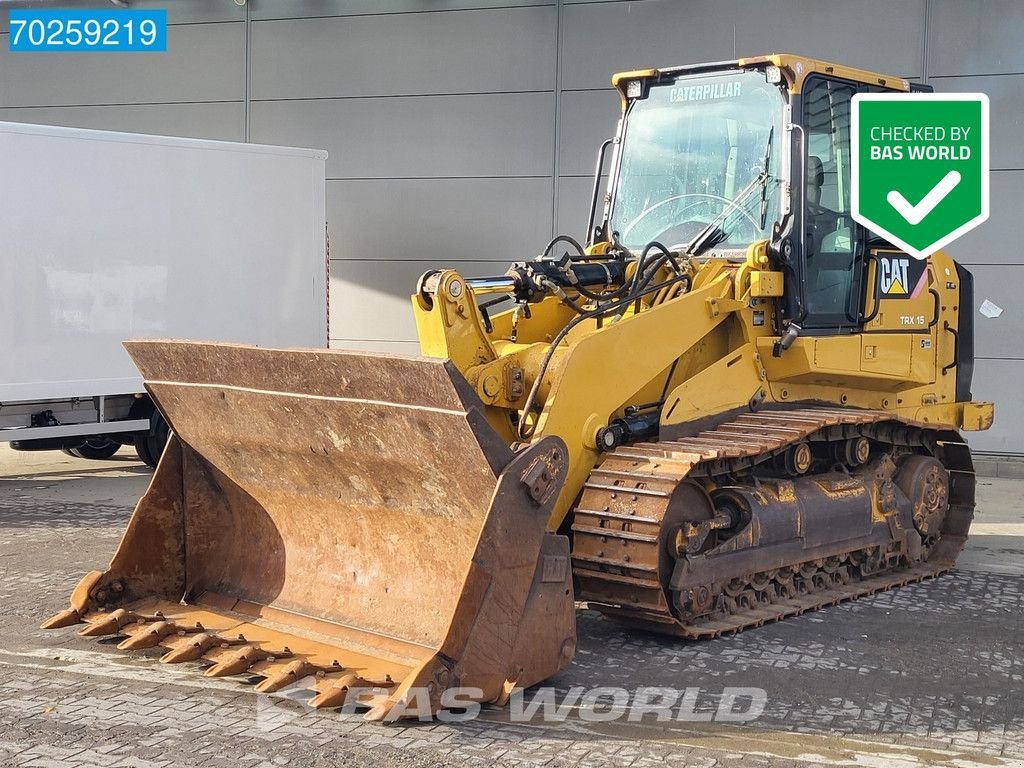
(933,666)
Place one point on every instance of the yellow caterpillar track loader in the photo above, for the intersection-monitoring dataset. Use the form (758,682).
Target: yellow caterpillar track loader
(729,405)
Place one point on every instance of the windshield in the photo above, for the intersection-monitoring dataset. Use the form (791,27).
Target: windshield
(692,157)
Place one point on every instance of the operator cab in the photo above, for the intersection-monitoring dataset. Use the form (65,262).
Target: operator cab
(712,158)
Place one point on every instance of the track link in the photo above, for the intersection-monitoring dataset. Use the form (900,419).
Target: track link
(619,547)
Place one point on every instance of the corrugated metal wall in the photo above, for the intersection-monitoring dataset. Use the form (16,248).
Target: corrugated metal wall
(463,132)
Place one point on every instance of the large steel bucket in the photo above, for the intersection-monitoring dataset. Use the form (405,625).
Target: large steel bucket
(340,521)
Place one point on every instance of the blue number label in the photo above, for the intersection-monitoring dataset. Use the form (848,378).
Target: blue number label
(75,30)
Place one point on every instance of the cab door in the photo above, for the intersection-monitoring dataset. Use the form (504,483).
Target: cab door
(862,296)
(833,243)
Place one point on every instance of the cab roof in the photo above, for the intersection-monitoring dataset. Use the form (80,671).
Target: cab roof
(794,68)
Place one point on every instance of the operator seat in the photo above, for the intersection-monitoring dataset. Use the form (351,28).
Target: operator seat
(815,227)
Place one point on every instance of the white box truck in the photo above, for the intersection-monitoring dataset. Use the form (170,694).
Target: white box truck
(111,236)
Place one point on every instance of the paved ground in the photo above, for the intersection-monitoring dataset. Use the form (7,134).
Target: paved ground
(929,675)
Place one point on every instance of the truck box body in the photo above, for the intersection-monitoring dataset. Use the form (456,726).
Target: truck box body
(111,236)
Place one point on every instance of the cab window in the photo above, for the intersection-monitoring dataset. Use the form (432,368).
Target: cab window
(830,234)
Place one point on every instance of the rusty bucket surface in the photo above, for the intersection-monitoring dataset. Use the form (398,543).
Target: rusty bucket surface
(347,522)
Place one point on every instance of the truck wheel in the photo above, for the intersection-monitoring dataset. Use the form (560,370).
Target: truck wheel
(95,448)
(150,445)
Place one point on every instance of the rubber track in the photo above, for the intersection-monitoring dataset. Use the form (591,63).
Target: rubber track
(646,473)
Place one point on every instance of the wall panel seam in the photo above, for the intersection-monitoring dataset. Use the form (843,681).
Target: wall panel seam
(206,23)
(607,2)
(248,74)
(121,104)
(410,12)
(927,12)
(976,74)
(543,177)
(378,96)
(557,141)
(360,260)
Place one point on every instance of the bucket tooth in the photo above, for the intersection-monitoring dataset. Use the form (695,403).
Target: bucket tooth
(239,661)
(154,634)
(382,705)
(66,618)
(81,603)
(379,709)
(114,622)
(336,694)
(278,676)
(194,647)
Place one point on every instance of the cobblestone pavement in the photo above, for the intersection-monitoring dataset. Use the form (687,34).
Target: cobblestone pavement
(927,675)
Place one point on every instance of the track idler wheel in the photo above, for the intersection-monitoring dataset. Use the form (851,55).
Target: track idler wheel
(795,460)
(853,452)
(701,599)
(925,482)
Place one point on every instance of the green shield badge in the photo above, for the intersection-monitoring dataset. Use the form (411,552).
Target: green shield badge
(920,166)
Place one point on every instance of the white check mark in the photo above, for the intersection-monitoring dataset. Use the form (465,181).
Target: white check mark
(915,213)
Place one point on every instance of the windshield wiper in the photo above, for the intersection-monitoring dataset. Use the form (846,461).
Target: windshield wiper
(713,234)
(764,189)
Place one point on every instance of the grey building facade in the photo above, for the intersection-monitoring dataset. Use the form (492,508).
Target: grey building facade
(463,132)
